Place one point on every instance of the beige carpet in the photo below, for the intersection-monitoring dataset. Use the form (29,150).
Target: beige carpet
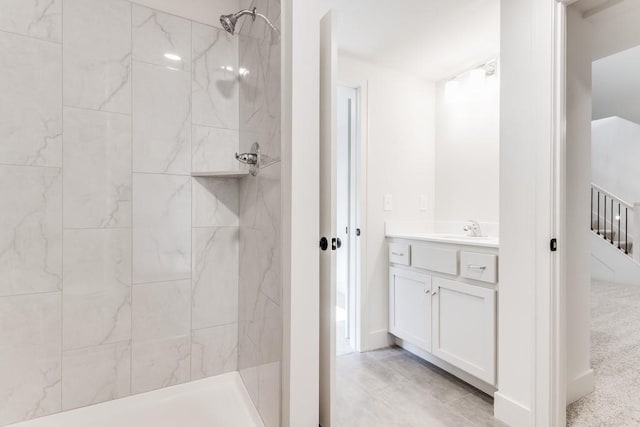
(615,347)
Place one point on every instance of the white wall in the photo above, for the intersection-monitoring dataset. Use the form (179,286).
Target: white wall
(400,161)
(616,86)
(467,152)
(614,157)
(615,28)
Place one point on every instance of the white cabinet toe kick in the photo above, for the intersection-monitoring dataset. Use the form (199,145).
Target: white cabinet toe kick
(442,306)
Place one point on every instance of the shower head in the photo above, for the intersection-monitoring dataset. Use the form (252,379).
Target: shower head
(229,21)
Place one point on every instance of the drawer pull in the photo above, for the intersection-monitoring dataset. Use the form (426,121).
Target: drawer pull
(397,253)
(477,267)
(427,291)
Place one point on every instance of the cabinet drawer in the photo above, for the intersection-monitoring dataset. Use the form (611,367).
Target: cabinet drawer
(435,259)
(399,253)
(476,266)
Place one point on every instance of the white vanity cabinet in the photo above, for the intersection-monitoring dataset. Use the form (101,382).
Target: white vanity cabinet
(442,306)
(410,307)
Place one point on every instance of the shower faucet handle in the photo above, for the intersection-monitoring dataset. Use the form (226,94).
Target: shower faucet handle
(247,158)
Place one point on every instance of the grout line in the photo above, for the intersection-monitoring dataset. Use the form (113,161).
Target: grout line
(155,282)
(31,294)
(30,166)
(40,39)
(160,66)
(191,74)
(186,175)
(206,227)
(85,347)
(191,20)
(131,77)
(95,110)
(69,228)
(62,151)
(215,326)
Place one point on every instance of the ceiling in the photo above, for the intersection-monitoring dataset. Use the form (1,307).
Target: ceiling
(434,39)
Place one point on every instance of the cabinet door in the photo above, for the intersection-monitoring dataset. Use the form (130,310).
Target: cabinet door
(410,307)
(464,327)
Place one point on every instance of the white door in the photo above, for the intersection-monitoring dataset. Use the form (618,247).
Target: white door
(328,220)
(464,327)
(410,306)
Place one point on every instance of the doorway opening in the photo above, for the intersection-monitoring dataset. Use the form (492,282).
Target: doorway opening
(602,187)
(348,220)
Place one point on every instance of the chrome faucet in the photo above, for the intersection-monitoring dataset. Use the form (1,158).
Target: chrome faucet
(473,229)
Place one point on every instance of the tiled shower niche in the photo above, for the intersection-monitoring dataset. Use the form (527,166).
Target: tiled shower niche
(120,271)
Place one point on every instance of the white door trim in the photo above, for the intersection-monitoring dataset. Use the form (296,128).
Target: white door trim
(300,212)
(363,128)
(558,394)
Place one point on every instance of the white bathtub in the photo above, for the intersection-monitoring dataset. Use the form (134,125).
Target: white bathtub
(220,401)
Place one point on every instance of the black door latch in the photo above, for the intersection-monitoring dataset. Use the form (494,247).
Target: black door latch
(336,243)
(553,245)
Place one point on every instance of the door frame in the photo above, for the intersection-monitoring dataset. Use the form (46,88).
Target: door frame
(361,87)
(300,64)
(558,348)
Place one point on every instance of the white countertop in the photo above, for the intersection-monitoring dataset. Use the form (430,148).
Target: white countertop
(461,239)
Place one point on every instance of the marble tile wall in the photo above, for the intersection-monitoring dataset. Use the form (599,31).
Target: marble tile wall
(260,287)
(118,270)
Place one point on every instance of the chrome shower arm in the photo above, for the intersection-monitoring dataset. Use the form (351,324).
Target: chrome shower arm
(273,27)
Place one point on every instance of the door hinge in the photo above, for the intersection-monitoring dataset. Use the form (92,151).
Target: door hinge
(553,245)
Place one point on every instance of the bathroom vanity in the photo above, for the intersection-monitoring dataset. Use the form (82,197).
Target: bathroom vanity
(443,302)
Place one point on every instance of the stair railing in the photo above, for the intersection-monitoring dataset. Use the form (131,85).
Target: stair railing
(615,220)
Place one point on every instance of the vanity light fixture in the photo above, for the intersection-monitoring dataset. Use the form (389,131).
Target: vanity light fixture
(172,57)
(478,73)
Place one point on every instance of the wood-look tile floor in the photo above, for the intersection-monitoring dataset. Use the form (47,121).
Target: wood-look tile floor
(392,387)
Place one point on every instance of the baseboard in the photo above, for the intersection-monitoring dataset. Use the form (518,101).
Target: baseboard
(378,339)
(511,412)
(580,386)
